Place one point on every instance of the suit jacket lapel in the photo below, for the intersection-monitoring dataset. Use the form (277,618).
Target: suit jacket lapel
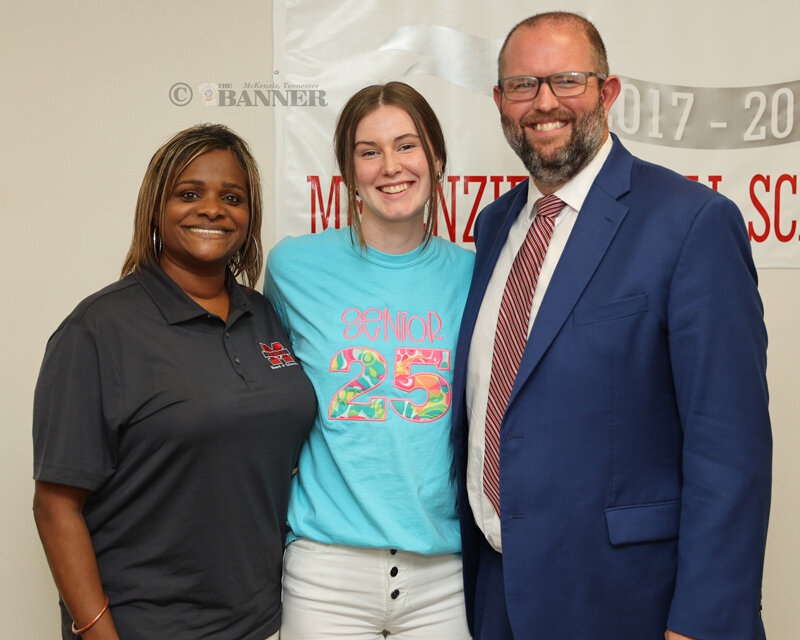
(494,238)
(594,230)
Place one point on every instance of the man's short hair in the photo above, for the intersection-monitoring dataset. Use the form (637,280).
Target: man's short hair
(592,34)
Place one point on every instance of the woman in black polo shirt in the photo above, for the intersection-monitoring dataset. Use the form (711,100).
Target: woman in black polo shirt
(168,416)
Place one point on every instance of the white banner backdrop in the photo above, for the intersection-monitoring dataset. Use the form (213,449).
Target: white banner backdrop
(705,92)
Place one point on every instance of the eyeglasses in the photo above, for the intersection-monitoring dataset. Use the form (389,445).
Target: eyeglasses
(566,84)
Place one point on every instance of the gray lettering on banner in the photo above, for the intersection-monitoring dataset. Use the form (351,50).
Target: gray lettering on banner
(707,117)
(254,94)
(662,114)
(251,97)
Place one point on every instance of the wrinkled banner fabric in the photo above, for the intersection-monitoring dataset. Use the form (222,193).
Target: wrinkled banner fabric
(699,94)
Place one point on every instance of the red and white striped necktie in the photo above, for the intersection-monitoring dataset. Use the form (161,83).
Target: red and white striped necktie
(512,334)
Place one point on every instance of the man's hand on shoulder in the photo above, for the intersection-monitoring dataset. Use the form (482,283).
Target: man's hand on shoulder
(671,635)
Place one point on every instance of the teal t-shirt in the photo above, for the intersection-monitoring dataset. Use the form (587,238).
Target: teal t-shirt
(376,333)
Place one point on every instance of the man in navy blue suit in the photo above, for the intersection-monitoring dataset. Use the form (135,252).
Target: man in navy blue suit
(611,429)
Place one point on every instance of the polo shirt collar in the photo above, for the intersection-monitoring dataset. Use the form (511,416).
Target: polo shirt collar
(173,302)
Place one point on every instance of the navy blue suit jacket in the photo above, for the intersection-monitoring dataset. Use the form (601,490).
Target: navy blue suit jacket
(636,448)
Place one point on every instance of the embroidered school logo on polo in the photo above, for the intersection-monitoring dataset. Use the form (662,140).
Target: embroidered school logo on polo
(277,355)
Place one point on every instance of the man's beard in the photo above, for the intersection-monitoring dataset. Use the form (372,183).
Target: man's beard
(560,166)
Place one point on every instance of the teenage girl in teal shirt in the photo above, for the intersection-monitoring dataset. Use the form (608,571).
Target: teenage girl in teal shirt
(373,312)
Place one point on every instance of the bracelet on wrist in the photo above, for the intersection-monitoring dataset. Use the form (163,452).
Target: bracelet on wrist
(77,631)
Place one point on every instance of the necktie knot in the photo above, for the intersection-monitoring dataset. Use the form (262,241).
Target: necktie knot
(549,206)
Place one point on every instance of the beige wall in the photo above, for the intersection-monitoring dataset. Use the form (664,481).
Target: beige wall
(82,111)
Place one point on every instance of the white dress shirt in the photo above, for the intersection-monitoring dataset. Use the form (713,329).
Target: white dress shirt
(481,350)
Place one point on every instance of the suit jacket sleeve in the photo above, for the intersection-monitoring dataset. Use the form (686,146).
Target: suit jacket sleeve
(718,345)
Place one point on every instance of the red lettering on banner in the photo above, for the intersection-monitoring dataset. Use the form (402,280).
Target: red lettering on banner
(481,180)
(767,195)
(333,202)
(772,219)
(791,180)
(496,181)
(751,232)
(712,180)
(448,201)
(449,220)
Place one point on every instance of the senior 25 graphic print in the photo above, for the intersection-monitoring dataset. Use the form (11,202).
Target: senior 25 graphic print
(407,372)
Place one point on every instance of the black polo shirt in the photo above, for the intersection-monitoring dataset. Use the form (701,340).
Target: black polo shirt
(185,430)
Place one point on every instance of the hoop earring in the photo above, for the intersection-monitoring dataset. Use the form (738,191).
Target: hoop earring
(255,244)
(236,261)
(157,245)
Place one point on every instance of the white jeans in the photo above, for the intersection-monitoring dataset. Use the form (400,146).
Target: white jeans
(351,593)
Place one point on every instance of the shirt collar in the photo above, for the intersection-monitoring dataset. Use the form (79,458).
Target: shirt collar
(574,192)
(175,305)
